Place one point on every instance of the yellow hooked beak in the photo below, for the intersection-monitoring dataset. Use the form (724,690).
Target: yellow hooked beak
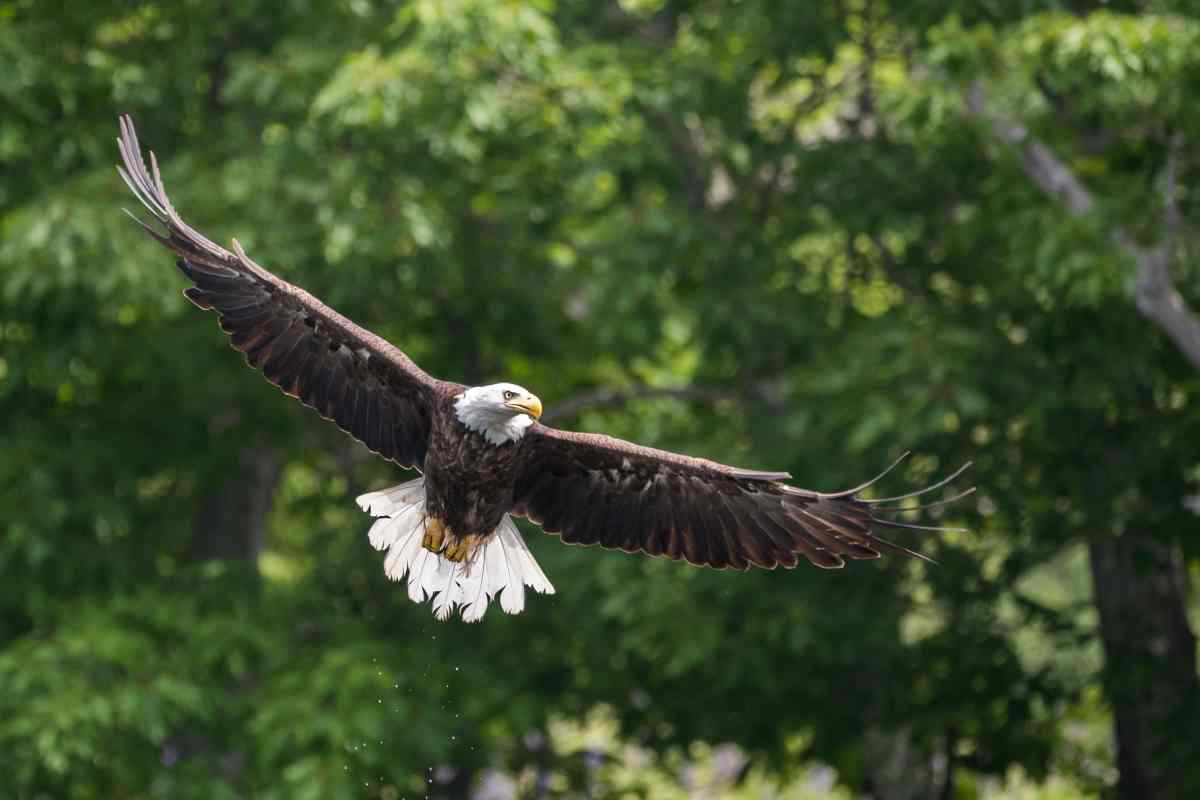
(526,405)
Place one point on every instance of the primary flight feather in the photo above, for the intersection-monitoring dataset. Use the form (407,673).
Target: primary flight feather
(484,457)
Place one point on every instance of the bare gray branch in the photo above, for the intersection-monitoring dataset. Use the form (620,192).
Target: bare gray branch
(1155,294)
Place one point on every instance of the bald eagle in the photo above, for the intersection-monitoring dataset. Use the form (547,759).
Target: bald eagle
(484,458)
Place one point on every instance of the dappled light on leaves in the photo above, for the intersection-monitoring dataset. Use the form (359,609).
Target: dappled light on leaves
(775,234)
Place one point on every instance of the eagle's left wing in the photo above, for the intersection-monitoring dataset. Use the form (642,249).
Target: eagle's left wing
(595,489)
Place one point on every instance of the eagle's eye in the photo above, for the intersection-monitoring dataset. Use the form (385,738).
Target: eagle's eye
(509,395)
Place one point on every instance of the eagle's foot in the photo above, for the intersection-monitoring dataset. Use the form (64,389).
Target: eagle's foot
(435,535)
(460,549)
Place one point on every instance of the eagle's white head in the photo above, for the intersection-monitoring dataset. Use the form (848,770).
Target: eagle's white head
(501,411)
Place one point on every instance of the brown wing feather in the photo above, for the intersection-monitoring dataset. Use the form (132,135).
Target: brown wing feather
(594,489)
(371,389)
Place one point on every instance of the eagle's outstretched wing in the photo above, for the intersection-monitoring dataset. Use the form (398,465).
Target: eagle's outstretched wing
(368,387)
(595,489)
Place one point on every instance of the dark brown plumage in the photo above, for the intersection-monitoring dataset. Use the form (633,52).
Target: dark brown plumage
(588,488)
(665,504)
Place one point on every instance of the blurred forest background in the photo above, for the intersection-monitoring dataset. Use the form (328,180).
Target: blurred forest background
(787,235)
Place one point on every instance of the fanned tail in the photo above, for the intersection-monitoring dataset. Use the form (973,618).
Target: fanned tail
(499,568)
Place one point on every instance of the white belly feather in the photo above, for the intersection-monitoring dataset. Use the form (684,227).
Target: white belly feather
(501,566)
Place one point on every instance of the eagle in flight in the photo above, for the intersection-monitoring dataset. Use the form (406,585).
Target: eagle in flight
(484,458)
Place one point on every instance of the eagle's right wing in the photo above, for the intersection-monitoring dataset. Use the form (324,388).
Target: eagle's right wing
(368,387)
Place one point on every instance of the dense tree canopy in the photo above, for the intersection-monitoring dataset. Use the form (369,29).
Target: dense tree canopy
(783,235)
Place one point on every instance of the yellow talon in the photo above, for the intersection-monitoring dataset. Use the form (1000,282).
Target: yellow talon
(435,535)
(460,550)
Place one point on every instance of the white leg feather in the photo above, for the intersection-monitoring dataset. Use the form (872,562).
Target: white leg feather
(500,568)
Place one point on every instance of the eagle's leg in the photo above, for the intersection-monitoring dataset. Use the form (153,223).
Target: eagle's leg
(435,535)
(461,547)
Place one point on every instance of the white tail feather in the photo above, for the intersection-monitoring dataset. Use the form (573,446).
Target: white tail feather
(502,565)
(514,544)
(385,503)
(388,530)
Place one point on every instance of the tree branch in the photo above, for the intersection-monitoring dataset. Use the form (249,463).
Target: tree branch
(1040,164)
(693,169)
(1155,294)
(572,406)
(576,404)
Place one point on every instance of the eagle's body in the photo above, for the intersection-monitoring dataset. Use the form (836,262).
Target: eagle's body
(468,479)
(484,458)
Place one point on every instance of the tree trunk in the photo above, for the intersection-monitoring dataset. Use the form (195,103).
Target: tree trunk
(231,525)
(1150,665)
(894,768)
(232,519)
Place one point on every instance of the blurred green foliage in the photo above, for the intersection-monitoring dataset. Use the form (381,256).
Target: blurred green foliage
(769,228)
